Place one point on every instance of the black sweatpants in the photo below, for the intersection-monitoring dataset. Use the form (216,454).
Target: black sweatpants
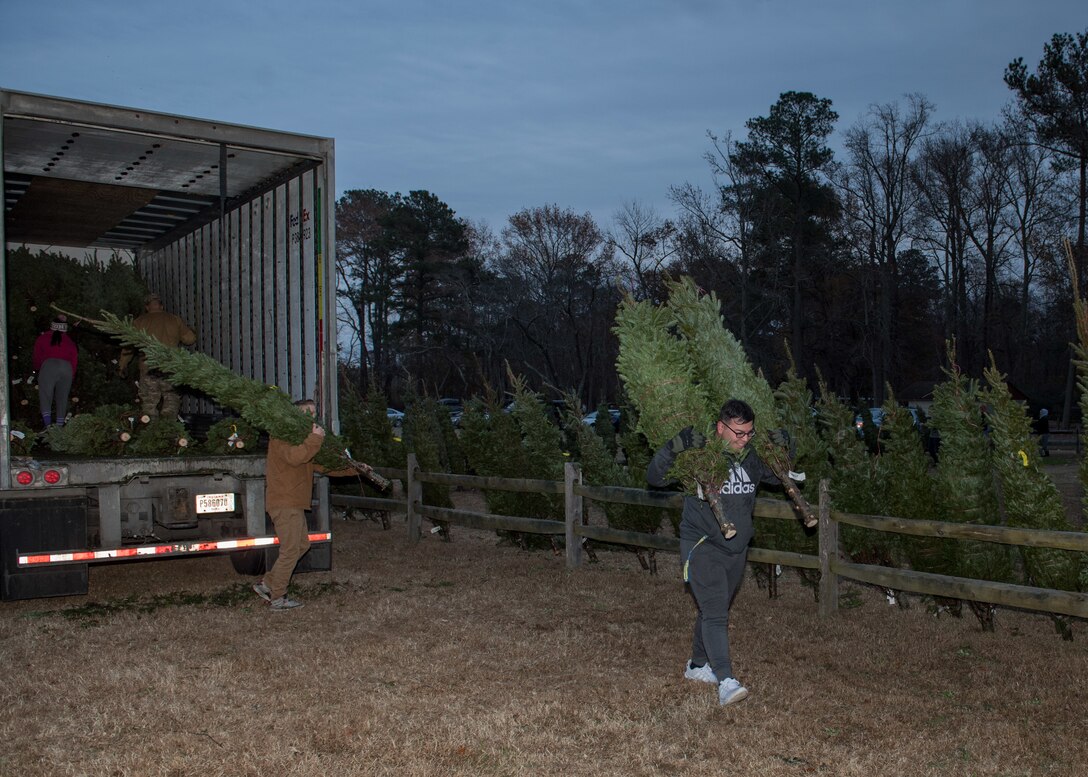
(713,577)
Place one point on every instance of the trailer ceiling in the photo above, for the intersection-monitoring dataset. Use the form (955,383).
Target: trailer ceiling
(76,185)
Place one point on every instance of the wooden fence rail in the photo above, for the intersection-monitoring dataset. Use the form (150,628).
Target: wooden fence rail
(1066,438)
(830,561)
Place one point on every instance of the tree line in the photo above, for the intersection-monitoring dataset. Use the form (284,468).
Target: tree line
(857,266)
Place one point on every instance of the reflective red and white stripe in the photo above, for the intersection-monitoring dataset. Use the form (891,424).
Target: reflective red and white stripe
(155,551)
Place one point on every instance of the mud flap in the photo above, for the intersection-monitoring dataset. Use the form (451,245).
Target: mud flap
(29,524)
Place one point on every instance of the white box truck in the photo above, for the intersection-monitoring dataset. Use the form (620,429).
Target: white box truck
(233,226)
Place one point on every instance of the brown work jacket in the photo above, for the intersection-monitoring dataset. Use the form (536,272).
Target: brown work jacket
(289,473)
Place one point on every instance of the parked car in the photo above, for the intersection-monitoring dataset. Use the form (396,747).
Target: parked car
(455,406)
(614,414)
(878,418)
(396,417)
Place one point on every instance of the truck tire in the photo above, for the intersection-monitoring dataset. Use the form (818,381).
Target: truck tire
(249,562)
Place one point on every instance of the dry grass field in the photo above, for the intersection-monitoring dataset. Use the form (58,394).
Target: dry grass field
(477,658)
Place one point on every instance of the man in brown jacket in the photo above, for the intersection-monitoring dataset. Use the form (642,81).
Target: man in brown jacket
(171,331)
(289,481)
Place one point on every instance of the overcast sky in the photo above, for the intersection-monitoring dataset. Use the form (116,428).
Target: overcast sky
(499,105)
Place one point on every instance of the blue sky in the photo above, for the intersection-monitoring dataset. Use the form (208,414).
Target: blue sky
(499,105)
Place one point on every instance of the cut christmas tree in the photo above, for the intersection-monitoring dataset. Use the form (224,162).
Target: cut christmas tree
(266,407)
(679,364)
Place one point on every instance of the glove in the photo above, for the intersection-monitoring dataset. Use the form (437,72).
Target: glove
(687,439)
(781,438)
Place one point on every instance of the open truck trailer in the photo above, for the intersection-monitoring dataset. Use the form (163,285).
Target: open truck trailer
(233,226)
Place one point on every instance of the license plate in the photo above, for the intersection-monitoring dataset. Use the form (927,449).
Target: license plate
(214,503)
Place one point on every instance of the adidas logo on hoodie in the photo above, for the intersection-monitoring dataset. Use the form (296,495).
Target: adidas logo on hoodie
(739,482)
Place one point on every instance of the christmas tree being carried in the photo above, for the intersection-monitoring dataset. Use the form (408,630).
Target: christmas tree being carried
(265,407)
(679,363)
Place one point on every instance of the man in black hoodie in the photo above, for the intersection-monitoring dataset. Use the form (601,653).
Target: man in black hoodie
(714,561)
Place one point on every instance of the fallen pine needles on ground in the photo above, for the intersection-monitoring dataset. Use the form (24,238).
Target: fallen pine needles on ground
(474,658)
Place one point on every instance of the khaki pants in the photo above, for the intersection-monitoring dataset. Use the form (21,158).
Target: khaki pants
(290,527)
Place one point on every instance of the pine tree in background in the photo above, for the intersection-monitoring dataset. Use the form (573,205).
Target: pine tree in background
(637,453)
(492,445)
(366,428)
(903,480)
(849,464)
(965,479)
(1080,313)
(422,434)
(904,485)
(522,443)
(679,365)
(795,407)
(1080,310)
(266,407)
(1030,498)
(600,468)
(542,442)
(852,476)
(793,401)
(602,425)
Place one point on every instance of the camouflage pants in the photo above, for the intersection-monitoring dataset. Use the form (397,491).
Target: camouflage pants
(153,389)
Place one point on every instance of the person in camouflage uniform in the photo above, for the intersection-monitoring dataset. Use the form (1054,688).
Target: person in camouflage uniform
(158,397)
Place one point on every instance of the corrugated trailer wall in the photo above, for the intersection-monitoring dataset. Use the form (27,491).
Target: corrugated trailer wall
(248,286)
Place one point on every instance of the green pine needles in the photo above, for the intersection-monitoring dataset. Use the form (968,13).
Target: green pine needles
(679,365)
(266,407)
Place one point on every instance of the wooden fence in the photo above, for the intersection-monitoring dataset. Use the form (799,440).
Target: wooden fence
(1066,438)
(830,561)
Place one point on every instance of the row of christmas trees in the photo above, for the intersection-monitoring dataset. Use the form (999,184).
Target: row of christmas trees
(988,471)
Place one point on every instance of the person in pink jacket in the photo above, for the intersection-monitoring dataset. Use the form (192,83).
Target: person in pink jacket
(55,361)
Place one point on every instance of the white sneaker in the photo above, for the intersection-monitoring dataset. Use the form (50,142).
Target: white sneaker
(729,691)
(703,674)
(284,603)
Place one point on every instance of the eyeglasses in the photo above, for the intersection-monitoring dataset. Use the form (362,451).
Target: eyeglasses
(740,435)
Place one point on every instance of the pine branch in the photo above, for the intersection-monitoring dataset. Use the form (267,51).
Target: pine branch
(266,407)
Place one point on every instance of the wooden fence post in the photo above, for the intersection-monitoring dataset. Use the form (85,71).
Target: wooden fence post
(572,508)
(413,499)
(829,552)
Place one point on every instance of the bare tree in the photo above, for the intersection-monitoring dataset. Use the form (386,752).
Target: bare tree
(645,240)
(988,198)
(557,265)
(943,172)
(720,225)
(1033,215)
(884,198)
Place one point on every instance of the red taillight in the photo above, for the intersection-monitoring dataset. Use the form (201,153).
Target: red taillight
(24,478)
(51,476)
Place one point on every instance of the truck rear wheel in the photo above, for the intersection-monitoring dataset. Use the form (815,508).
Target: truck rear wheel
(248,562)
